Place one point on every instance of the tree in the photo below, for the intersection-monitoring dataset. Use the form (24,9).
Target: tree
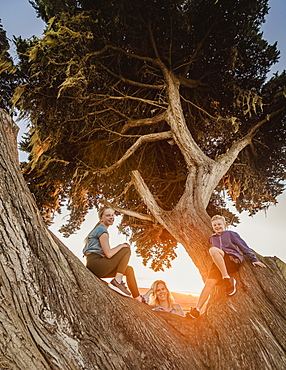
(158,107)
(56,315)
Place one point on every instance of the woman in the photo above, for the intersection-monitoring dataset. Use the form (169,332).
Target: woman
(104,261)
(161,298)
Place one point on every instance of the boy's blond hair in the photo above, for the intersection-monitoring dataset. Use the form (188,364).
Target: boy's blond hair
(218,217)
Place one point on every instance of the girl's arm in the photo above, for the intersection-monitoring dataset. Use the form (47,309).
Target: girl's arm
(110,252)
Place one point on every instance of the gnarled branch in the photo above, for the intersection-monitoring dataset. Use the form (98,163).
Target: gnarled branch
(224,161)
(192,153)
(128,212)
(142,140)
(143,122)
(147,196)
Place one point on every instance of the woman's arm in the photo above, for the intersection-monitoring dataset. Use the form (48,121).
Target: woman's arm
(109,252)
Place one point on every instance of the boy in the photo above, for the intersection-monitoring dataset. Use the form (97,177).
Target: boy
(226,252)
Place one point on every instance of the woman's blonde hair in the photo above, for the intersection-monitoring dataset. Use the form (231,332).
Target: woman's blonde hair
(154,301)
(100,213)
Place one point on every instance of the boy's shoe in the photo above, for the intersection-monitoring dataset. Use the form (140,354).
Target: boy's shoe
(193,313)
(230,285)
(119,288)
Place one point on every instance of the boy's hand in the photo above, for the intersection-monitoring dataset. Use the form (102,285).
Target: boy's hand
(257,263)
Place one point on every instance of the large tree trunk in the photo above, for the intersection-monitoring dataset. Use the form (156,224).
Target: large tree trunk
(56,315)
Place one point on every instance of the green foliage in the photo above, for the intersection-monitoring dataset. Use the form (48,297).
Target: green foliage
(153,242)
(95,84)
(8,72)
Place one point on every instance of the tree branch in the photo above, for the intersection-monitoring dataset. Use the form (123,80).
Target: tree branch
(147,196)
(143,139)
(154,44)
(196,106)
(175,118)
(224,161)
(196,52)
(128,212)
(143,122)
(132,55)
(147,101)
(188,82)
(131,82)
(237,146)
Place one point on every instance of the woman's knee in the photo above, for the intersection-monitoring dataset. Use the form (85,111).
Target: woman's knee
(125,252)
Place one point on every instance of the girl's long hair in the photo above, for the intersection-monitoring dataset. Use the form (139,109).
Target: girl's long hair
(154,301)
(100,214)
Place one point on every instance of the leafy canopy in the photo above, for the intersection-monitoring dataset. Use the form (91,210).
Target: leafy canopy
(9,75)
(96,94)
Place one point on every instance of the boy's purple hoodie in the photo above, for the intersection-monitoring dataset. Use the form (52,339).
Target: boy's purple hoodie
(230,242)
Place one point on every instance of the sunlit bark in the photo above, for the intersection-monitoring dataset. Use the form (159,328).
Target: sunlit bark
(56,315)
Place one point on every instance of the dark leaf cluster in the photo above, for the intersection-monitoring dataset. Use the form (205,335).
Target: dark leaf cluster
(9,74)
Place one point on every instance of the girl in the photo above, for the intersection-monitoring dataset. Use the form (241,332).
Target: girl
(104,261)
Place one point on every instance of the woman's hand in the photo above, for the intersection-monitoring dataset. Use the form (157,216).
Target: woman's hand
(124,245)
(110,252)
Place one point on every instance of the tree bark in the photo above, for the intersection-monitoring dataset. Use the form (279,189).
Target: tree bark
(56,315)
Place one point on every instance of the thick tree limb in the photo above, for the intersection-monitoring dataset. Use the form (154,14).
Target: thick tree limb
(175,117)
(229,157)
(147,196)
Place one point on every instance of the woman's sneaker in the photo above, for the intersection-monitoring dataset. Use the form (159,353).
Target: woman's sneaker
(193,313)
(119,288)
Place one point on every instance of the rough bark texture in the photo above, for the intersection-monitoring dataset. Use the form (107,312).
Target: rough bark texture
(56,315)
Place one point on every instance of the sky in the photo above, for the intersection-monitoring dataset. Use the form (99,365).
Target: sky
(265,232)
